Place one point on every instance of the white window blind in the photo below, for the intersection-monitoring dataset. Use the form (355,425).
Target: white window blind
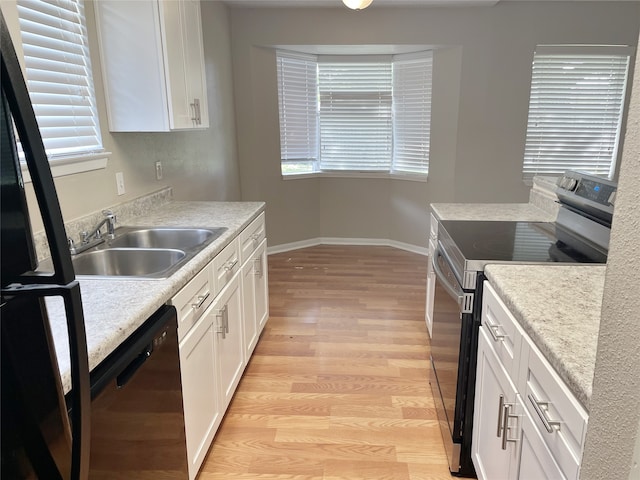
(58,72)
(355,116)
(298,106)
(412,79)
(575,112)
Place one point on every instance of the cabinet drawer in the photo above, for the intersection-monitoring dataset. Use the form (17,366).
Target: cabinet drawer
(559,417)
(225,265)
(193,300)
(506,334)
(251,237)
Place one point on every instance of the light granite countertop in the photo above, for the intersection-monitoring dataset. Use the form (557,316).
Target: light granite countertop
(559,308)
(521,212)
(115,308)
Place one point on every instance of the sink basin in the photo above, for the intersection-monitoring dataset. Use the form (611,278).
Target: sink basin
(141,252)
(128,262)
(164,237)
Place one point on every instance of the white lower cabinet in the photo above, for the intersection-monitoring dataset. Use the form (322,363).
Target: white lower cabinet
(200,392)
(227,309)
(255,295)
(527,424)
(495,427)
(536,460)
(221,313)
(249,309)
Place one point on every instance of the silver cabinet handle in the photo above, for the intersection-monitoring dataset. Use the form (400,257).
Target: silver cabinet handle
(505,426)
(493,330)
(201,300)
(230,266)
(537,406)
(223,315)
(196,102)
(500,413)
(257,267)
(194,119)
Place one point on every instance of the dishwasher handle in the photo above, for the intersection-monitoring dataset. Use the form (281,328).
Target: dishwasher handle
(130,370)
(120,366)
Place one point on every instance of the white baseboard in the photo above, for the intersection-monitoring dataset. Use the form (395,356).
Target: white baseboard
(312,242)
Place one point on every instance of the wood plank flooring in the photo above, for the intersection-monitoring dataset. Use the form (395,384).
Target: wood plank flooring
(338,385)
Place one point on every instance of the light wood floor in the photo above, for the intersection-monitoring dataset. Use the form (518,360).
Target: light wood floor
(337,387)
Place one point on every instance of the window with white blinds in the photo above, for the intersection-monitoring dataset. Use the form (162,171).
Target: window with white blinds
(298,107)
(575,110)
(412,81)
(354,114)
(58,74)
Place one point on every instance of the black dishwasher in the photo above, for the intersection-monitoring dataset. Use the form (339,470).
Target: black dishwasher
(137,420)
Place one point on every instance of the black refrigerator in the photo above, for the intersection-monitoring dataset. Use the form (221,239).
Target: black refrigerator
(42,436)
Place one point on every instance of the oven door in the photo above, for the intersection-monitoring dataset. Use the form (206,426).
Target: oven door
(450,350)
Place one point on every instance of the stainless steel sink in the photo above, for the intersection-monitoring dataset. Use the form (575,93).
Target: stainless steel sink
(141,252)
(164,237)
(128,262)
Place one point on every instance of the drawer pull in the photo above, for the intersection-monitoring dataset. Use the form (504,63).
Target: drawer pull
(256,236)
(230,266)
(201,300)
(493,330)
(538,407)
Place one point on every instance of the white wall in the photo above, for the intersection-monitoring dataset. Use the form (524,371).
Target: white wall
(200,165)
(614,427)
(482,75)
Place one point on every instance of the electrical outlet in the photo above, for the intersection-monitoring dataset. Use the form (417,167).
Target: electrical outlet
(120,183)
(158,170)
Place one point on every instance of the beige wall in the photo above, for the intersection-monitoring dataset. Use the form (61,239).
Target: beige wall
(615,404)
(199,165)
(480,99)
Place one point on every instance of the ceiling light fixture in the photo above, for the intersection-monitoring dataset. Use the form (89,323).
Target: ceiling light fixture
(357,4)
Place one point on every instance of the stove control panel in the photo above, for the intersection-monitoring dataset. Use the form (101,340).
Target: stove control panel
(588,193)
(596,189)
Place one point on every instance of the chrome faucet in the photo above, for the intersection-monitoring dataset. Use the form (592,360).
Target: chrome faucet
(95,237)
(109,220)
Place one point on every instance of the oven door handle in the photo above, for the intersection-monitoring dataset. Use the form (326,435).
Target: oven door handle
(451,290)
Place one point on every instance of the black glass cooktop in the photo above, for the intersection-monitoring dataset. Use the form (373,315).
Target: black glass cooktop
(526,242)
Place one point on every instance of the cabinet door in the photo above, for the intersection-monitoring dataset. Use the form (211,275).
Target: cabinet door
(202,410)
(495,402)
(261,281)
(249,308)
(229,339)
(174,45)
(536,460)
(194,62)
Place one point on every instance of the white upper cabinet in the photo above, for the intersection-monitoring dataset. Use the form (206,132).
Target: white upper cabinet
(153,64)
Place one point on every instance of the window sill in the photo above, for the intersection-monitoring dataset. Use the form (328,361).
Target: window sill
(370,175)
(72,165)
